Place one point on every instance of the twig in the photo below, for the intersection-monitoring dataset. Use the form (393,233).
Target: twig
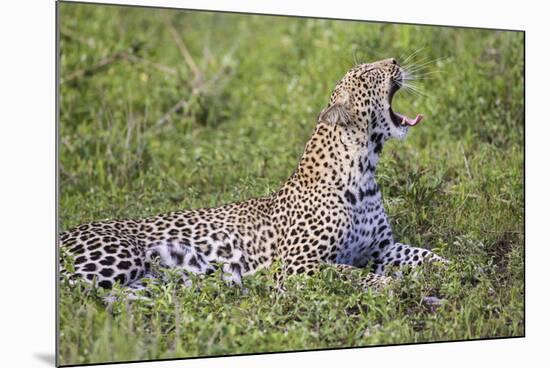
(101,64)
(72,35)
(177,107)
(129,56)
(184,51)
(161,67)
(466,161)
(220,71)
(183,102)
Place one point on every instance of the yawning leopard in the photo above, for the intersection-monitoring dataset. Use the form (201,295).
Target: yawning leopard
(329,211)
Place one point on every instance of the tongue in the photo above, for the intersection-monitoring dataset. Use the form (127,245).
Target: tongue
(405,120)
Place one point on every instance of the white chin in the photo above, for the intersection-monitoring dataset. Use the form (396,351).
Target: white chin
(399,132)
(403,133)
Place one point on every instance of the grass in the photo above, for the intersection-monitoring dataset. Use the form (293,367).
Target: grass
(456,185)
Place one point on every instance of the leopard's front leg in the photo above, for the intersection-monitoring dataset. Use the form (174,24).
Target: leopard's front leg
(399,254)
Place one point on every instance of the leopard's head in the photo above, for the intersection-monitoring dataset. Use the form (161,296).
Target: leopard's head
(363,98)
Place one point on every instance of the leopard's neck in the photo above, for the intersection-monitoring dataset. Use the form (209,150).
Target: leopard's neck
(341,158)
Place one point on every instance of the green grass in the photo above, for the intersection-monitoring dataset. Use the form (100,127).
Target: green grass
(455,185)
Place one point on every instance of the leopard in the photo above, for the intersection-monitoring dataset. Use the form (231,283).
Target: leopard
(330,211)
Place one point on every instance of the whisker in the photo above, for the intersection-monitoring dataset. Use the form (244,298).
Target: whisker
(411,63)
(404,62)
(426,75)
(402,55)
(424,64)
(355,57)
(417,72)
(419,78)
(410,87)
(417,93)
(422,60)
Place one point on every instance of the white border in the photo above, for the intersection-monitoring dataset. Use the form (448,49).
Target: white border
(27,181)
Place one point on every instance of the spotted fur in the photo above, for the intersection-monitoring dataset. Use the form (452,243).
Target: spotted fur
(329,211)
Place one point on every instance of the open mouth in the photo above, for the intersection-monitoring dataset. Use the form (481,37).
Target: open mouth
(401,119)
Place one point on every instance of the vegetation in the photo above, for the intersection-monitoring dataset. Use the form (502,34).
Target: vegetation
(163,110)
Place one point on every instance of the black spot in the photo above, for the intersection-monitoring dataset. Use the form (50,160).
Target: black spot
(369,192)
(78,249)
(80,260)
(235,267)
(193,262)
(111,249)
(105,284)
(107,272)
(379,137)
(108,261)
(133,274)
(383,243)
(224,251)
(154,254)
(90,267)
(370,167)
(178,257)
(350,197)
(124,265)
(121,278)
(94,246)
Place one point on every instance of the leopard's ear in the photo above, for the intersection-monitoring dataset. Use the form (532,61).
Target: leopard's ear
(337,113)
(339,109)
